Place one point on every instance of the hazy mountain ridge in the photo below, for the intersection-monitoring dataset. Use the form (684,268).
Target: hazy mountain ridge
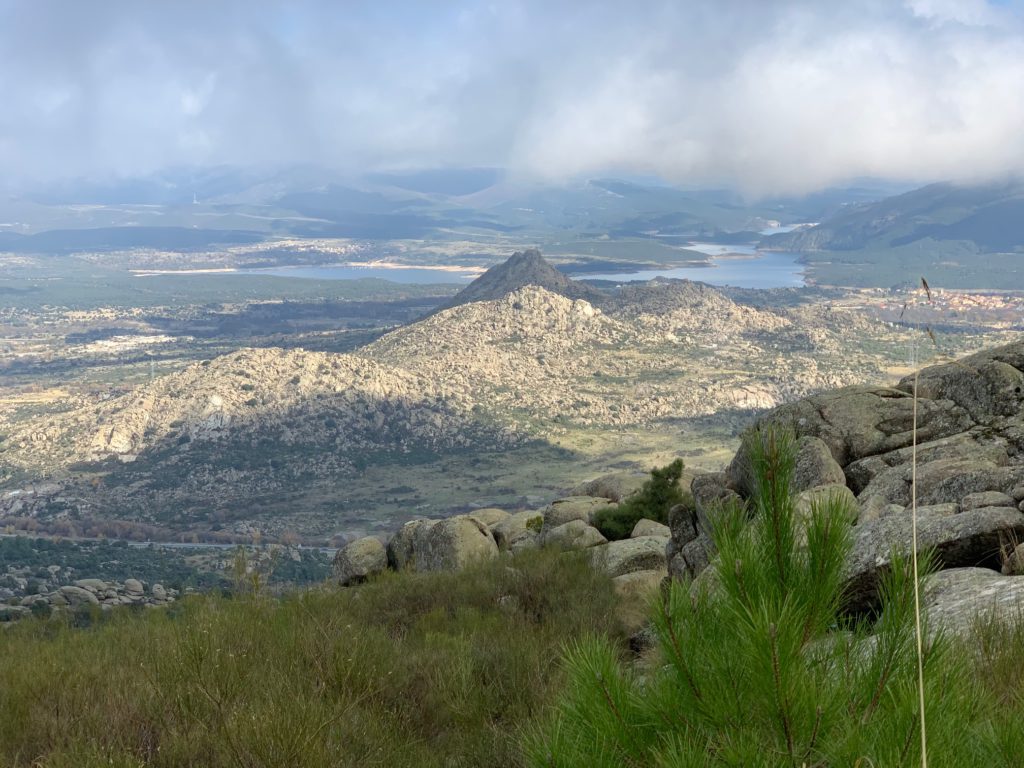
(991,217)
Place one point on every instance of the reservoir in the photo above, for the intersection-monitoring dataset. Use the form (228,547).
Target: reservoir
(409,275)
(737,265)
(758,269)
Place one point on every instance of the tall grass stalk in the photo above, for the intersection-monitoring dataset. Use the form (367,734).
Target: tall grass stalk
(917,581)
(913,545)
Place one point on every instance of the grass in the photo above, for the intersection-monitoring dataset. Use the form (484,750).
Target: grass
(409,670)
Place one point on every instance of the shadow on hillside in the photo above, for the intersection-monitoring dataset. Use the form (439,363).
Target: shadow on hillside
(321,466)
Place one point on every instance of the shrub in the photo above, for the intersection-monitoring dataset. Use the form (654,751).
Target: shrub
(761,668)
(653,502)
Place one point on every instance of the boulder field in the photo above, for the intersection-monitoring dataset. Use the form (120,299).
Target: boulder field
(857,443)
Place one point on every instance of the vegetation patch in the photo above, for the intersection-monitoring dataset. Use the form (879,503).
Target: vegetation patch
(408,670)
(652,502)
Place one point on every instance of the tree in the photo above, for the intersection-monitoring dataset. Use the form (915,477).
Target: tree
(760,667)
(653,502)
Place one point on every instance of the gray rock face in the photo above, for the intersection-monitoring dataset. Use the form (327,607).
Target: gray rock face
(692,558)
(711,492)
(976,445)
(815,465)
(407,540)
(855,422)
(954,599)
(962,540)
(573,508)
(940,481)
(647,527)
(986,499)
(518,531)
(133,587)
(614,487)
(357,561)
(617,558)
(77,596)
(982,385)
(575,534)
(452,544)
(683,528)
(490,516)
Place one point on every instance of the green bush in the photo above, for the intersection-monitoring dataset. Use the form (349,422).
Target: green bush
(759,667)
(653,502)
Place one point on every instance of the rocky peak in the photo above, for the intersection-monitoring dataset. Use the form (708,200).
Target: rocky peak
(524,268)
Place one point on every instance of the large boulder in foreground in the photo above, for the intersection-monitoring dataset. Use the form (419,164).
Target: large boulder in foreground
(453,544)
(967,539)
(357,561)
(571,508)
(617,558)
(575,534)
(955,599)
(519,531)
(407,540)
(855,422)
(966,471)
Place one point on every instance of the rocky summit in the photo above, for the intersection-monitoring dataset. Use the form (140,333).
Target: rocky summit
(524,268)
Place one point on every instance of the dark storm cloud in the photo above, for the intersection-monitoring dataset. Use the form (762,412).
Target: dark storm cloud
(770,96)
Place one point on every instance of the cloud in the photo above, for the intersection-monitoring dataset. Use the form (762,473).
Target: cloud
(769,97)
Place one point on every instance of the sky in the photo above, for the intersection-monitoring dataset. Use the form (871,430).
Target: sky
(768,97)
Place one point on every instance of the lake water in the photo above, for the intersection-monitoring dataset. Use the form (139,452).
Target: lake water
(767,269)
(411,275)
(714,249)
(754,269)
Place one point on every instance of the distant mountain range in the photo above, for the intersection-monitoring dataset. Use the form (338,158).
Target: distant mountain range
(866,236)
(958,236)
(990,217)
(426,204)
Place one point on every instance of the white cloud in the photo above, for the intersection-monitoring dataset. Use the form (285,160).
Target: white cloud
(785,96)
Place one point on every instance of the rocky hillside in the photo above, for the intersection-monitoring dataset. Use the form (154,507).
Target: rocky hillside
(226,431)
(294,398)
(671,349)
(221,437)
(853,446)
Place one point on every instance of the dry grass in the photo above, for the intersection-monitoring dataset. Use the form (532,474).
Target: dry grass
(411,670)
